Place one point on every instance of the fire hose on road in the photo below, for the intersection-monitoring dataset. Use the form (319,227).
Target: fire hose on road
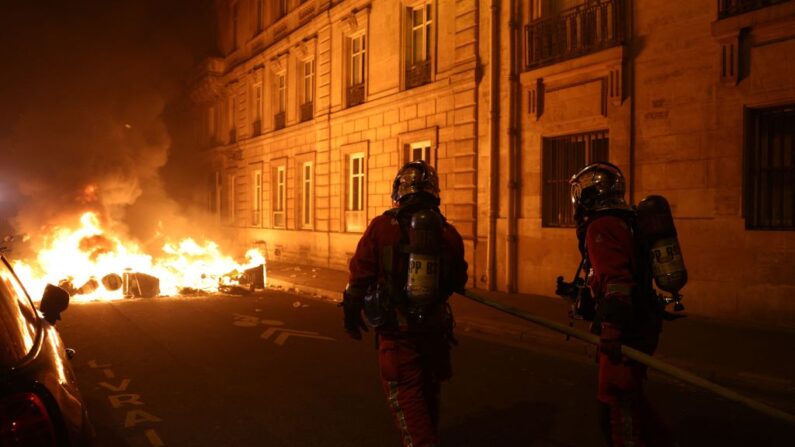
(640,357)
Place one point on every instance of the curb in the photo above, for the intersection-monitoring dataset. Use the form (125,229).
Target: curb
(315,292)
(531,336)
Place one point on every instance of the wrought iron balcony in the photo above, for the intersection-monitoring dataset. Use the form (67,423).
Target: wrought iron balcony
(256,128)
(355,94)
(307,111)
(418,74)
(728,8)
(233,135)
(278,121)
(583,29)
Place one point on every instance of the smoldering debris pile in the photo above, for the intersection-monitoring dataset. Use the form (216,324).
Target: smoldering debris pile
(142,285)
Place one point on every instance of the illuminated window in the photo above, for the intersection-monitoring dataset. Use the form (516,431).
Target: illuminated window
(257,105)
(420,151)
(354,215)
(419,40)
(279,194)
(563,157)
(279,117)
(309,81)
(256,206)
(281,95)
(357,70)
(307,199)
(308,90)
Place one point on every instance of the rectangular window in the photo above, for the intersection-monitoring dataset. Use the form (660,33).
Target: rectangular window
(281,92)
(279,194)
(420,151)
(257,101)
(256,206)
(217,196)
(563,157)
(354,214)
(419,39)
(282,8)
(357,70)
(260,15)
(307,109)
(307,198)
(256,104)
(769,184)
(231,198)
(235,23)
(211,121)
(232,115)
(279,117)
(309,81)
(358,59)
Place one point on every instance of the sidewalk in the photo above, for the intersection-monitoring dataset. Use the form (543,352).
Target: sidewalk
(755,359)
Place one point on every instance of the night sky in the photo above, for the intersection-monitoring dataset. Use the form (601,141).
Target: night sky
(85,91)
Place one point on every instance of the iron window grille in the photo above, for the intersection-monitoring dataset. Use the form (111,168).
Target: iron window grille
(769,183)
(563,157)
(728,8)
(574,32)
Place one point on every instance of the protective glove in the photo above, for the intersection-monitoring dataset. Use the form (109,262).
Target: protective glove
(609,342)
(352,316)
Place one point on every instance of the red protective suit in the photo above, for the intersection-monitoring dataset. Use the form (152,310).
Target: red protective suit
(611,252)
(412,364)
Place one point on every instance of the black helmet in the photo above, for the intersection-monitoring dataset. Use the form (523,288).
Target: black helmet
(415,177)
(597,187)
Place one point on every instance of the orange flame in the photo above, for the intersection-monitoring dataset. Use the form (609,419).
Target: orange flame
(86,254)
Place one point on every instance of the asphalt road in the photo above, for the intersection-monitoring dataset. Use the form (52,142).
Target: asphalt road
(275,369)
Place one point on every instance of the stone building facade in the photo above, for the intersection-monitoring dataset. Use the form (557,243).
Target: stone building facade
(315,104)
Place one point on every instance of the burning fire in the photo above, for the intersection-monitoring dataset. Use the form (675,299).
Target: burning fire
(94,263)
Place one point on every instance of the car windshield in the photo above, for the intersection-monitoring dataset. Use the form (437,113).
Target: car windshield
(17,319)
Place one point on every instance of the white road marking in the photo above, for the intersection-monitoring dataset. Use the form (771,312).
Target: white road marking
(120,400)
(285,334)
(153,438)
(116,389)
(93,364)
(135,417)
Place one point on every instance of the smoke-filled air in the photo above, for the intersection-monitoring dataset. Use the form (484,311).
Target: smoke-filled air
(96,189)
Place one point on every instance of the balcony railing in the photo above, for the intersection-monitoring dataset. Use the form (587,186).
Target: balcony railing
(584,29)
(233,135)
(307,111)
(256,128)
(728,8)
(418,74)
(278,121)
(355,94)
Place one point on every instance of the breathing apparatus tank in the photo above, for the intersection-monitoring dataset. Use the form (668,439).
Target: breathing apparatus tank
(658,234)
(425,235)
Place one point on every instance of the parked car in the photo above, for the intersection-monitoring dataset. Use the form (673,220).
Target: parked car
(40,404)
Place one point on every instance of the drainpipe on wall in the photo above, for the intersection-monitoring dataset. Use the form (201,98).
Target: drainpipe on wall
(494,145)
(628,73)
(513,149)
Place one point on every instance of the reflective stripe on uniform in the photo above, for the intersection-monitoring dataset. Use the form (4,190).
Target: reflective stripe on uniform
(401,418)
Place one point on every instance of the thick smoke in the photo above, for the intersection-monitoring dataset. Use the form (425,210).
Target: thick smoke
(82,116)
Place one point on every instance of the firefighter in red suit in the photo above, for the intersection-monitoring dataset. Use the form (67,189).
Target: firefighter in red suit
(627,310)
(409,312)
